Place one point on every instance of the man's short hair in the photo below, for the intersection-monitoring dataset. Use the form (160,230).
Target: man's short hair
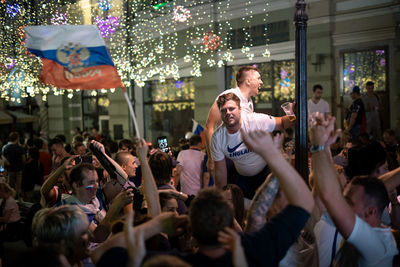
(121,157)
(76,145)
(57,226)
(364,160)
(78,139)
(125,142)
(77,173)
(37,142)
(241,74)
(375,190)
(56,141)
(222,99)
(390,132)
(317,86)
(13,136)
(370,83)
(194,140)
(209,213)
(161,167)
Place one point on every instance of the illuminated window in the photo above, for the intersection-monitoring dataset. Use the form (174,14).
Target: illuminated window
(363,66)
(168,109)
(94,104)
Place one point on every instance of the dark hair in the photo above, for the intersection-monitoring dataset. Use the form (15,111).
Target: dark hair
(317,86)
(125,142)
(13,136)
(78,139)
(374,189)
(161,167)
(78,145)
(194,140)
(369,83)
(222,99)
(37,142)
(364,160)
(56,141)
(164,197)
(34,153)
(165,260)
(242,71)
(238,201)
(76,175)
(43,255)
(390,132)
(62,137)
(209,213)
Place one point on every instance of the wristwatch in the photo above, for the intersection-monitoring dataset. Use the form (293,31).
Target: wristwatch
(316,148)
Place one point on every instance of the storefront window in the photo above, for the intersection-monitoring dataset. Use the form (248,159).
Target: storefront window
(363,66)
(94,104)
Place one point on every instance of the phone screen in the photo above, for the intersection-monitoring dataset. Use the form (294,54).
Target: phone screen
(163,144)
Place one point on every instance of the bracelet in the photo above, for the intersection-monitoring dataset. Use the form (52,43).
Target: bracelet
(316,148)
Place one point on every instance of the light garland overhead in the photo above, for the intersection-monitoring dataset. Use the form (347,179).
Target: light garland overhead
(107,26)
(144,42)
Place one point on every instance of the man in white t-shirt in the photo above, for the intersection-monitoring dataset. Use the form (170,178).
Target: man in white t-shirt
(316,103)
(248,79)
(227,142)
(189,171)
(357,212)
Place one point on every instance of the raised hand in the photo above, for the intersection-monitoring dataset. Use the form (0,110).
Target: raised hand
(134,242)
(260,142)
(231,241)
(142,149)
(322,130)
(99,146)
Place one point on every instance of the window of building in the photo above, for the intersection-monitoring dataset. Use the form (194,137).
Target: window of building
(362,66)
(278,85)
(168,109)
(94,105)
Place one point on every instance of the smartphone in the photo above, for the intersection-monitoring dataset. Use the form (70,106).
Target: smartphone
(163,144)
(85,158)
(1,169)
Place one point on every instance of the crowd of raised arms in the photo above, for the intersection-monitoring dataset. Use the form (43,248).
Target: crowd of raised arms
(232,199)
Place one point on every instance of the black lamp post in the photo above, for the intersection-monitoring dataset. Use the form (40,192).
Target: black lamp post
(301,159)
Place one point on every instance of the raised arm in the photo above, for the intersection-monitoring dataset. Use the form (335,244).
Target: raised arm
(325,176)
(149,185)
(51,180)
(167,222)
(282,123)
(213,118)
(118,168)
(292,185)
(261,203)
(391,179)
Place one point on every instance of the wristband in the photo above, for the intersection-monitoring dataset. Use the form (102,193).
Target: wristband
(316,148)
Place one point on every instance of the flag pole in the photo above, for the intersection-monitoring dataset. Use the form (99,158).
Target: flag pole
(128,101)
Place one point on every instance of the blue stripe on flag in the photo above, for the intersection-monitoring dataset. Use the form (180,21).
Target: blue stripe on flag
(198,130)
(98,56)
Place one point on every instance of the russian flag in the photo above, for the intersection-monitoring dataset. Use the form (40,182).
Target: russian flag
(198,130)
(73,56)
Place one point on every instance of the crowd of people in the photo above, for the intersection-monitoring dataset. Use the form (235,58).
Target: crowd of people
(239,202)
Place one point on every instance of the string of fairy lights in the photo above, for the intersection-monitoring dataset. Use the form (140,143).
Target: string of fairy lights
(145,41)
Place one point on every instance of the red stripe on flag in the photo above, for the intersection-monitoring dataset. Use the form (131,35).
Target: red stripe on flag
(98,77)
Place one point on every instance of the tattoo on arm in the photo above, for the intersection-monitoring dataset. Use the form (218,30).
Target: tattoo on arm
(261,203)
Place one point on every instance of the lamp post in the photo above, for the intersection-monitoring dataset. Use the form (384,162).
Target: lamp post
(301,158)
